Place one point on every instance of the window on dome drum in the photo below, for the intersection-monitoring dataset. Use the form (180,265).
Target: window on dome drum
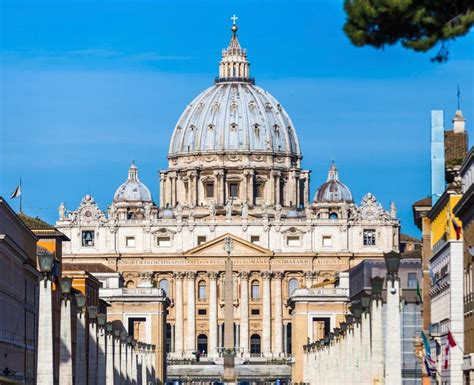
(88,238)
(259,189)
(209,190)
(163,241)
(292,286)
(327,241)
(255,239)
(201,239)
(255,344)
(130,241)
(255,293)
(293,240)
(255,311)
(333,216)
(165,286)
(412,280)
(202,290)
(233,190)
(369,237)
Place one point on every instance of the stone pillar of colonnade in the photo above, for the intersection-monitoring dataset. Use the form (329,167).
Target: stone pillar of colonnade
(377,356)
(191,307)
(92,367)
(349,359)
(366,367)
(357,349)
(213,313)
(244,313)
(109,361)
(393,356)
(65,352)
(80,369)
(267,326)
(123,363)
(342,355)
(101,356)
(117,359)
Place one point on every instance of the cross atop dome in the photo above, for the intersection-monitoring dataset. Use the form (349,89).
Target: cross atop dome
(332,174)
(234,66)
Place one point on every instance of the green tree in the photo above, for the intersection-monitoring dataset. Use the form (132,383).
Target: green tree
(418,25)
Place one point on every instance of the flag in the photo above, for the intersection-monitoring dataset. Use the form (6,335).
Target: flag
(438,349)
(429,369)
(418,292)
(457,228)
(16,193)
(446,357)
(426,345)
(451,341)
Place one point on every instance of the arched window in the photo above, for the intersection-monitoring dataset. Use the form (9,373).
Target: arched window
(292,286)
(202,290)
(255,346)
(202,344)
(130,284)
(165,285)
(255,290)
(333,215)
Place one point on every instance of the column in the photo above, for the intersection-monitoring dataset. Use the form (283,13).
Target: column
(179,313)
(277,188)
(65,350)
(133,354)
(266,327)
(191,330)
(117,368)
(250,187)
(366,366)
(278,347)
(213,313)
(220,196)
(377,341)
(162,189)
(92,369)
(129,364)
(393,356)
(173,190)
(123,363)
(101,356)
(45,335)
(144,365)
(80,370)
(109,361)
(244,312)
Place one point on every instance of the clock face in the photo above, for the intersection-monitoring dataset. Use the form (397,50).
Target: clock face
(88,214)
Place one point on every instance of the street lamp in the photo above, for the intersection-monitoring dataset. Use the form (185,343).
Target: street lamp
(392,263)
(356,309)
(337,332)
(65,284)
(101,319)
(80,301)
(343,326)
(349,319)
(109,327)
(377,286)
(45,261)
(92,310)
(365,301)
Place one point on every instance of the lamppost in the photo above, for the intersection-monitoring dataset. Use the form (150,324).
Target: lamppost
(393,354)
(92,353)
(65,350)
(80,375)
(377,355)
(45,365)
(101,352)
(229,353)
(109,361)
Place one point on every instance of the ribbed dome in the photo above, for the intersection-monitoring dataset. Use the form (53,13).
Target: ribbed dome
(333,190)
(132,190)
(234,115)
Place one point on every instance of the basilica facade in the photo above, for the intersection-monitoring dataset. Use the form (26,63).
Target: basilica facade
(234,169)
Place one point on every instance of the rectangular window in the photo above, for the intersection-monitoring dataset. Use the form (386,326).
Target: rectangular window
(293,240)
(88,238)
(412,280)
(259,189)
(209,190)
(233,190)
(202,312)
(255,239)
(201,239)
(130,241)
(163,241)
(255,312)
(369,237)
(327,241)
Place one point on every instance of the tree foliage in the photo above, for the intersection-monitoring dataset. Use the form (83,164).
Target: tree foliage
(418,25)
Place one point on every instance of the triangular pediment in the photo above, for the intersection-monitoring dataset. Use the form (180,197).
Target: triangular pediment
(215,247)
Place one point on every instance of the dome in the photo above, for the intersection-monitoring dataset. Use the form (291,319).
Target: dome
(167,214)
(333,190)
(132,190)
(234,115)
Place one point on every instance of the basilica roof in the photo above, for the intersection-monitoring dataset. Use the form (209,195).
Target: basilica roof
(132,190)
(333,190)
(234,114)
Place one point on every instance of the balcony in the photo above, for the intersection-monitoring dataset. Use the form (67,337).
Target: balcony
(234,79)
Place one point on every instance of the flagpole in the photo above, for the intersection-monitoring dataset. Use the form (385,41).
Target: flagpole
(21,197)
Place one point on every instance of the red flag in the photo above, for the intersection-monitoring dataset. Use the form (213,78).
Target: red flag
(457,229)
(451,340)
(446,357)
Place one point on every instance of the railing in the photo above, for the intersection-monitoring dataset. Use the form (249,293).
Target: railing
(234,79)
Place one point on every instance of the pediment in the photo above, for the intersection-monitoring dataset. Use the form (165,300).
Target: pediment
(215,247)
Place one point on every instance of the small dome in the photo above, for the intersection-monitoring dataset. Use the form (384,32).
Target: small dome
(333,190)
(132,190)
(167,214)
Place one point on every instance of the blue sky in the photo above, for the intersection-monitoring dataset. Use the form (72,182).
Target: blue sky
(87,86)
